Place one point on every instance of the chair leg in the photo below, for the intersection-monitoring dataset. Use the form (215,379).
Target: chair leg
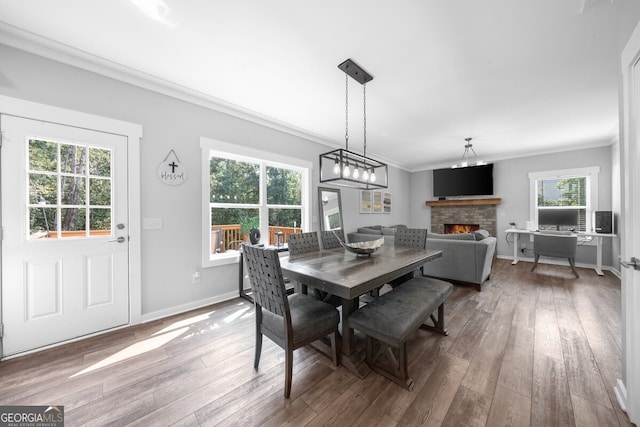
(334,347)
(258,351)
(535,262)
(572,263)
(288,372)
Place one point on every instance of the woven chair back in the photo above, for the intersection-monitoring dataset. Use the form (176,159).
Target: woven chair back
(267,281)
(330,238)
(302,243)
(411,238)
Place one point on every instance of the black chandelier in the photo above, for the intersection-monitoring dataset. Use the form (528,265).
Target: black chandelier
(348,168)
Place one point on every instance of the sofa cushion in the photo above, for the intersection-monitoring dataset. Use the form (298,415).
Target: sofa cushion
(481,234)
(388,231)
(370,230)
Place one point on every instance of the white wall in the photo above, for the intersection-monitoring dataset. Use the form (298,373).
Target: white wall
(171,255)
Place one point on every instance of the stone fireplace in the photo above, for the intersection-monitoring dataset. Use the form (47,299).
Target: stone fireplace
(469,212)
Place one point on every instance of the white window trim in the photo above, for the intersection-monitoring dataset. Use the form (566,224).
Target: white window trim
(238,152)
(592,204)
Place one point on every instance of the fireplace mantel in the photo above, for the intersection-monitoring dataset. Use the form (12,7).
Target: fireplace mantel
(464,202)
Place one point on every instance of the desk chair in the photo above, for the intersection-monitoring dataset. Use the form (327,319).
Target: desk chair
(290,321)
(556,245)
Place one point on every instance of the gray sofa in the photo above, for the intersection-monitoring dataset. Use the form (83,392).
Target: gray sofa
(465,257)
(364,234)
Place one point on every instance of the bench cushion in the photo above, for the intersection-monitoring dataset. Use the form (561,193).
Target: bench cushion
(392,317)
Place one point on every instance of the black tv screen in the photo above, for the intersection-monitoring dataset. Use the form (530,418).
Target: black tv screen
(469,181)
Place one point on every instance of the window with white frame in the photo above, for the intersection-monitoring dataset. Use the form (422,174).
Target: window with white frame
(564,199)
(250,192)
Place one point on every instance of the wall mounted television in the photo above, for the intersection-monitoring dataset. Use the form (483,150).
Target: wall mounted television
(469,181)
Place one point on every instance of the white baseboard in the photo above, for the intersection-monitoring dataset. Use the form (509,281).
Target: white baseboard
(561,261)
(621,394)
(160,314)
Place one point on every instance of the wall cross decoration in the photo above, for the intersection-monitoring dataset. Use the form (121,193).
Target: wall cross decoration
(171,171)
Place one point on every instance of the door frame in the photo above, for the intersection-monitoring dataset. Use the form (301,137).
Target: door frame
(133,133)
(628,388)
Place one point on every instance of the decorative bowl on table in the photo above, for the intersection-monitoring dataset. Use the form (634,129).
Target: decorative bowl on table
(363,248)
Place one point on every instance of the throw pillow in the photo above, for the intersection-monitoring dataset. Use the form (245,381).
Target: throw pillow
(388,231)
(481,234)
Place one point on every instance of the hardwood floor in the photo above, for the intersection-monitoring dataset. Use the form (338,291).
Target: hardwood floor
(540,349)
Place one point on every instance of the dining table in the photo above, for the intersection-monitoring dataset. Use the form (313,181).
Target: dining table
(348,275)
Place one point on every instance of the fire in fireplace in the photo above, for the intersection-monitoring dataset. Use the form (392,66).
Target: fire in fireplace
(460,228)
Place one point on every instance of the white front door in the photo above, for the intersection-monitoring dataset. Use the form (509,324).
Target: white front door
(65,233)
(628,389)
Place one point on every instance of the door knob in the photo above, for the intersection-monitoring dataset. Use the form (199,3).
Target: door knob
(632,263)
(120,239)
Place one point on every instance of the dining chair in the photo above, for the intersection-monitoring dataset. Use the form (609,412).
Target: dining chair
(556,245)
(301,243)
(331,238)
(290,321)
(409,238)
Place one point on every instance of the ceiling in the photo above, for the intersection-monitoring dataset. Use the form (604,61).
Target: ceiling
(519,77)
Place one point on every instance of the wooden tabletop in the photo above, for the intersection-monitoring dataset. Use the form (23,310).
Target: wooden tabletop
(348,275)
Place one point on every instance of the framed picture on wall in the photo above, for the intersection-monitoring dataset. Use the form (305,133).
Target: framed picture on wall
(365,201)
(376,204)
(386,203)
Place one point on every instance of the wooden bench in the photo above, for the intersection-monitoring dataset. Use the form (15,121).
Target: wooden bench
(392,318)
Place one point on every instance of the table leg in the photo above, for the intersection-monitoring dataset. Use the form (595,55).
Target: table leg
(351,360)
(348,342)
(516,242)
(599,256)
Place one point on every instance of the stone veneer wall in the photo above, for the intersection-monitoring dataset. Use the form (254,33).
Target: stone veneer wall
(483,215)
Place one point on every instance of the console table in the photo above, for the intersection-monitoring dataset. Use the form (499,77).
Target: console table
(598,237)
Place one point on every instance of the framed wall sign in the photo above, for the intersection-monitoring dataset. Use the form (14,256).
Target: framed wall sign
(376,205)
(386,203)
(365,201)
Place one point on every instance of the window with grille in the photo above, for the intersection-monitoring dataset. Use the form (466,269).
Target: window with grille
(249,190)
(564,200)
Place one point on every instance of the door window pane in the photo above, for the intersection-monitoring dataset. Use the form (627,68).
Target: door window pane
(99,192)
(73,219)
(42,222)
(43,188)
(99,220)
(73,159)
(62,188)
(43,156)
(99,162)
